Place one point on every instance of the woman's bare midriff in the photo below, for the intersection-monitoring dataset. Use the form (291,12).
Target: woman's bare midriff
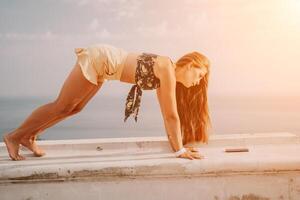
(128,73)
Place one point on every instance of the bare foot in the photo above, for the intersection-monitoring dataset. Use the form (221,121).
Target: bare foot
(12,147)
(30,144)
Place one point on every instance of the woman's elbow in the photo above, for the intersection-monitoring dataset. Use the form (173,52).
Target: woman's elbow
(171,118)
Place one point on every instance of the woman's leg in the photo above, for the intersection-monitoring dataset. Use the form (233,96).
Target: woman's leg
(75,88)
(30,142)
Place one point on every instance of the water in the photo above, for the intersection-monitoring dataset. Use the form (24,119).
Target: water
(103,116)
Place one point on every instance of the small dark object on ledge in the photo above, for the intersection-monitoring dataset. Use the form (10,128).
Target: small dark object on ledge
(229,150)
(99,148)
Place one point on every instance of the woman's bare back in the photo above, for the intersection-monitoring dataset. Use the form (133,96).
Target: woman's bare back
(129,68)
(128,73)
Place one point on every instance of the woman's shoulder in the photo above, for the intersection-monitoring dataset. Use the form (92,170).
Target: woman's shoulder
(164,59)
(163,66)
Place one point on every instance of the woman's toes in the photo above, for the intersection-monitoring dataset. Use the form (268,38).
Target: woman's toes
(31,145)
(21,157)
(39,153)
(12,146)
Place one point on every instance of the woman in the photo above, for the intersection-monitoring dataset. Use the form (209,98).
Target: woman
(181,91)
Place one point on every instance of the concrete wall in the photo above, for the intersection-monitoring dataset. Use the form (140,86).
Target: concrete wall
(145,168)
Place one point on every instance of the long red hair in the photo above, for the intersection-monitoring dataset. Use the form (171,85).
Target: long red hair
(192,105)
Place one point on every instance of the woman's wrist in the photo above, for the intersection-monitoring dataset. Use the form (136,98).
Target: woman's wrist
(180,151)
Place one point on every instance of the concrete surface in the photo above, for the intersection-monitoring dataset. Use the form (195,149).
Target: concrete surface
(146,168)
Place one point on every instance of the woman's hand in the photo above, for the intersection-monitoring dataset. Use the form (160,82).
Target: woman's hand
(191,155)
(192,149)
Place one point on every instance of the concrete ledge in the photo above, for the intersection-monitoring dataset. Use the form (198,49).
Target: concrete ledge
(151,156)
(111,160)
(162,142)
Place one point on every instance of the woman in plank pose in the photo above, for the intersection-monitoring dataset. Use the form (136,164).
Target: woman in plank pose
(181,90)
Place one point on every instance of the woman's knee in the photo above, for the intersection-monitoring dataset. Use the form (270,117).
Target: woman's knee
(66,108)
(77,109)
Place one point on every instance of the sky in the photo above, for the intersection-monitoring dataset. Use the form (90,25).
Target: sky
(253,46)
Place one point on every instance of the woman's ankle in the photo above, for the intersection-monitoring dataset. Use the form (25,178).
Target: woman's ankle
(17,137)
(12,136)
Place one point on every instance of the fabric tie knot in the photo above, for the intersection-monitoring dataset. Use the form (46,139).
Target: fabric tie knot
(133,102)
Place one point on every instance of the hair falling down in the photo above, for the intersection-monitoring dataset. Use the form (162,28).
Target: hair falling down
(192,104)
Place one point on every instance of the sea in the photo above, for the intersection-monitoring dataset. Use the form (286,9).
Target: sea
(103,116)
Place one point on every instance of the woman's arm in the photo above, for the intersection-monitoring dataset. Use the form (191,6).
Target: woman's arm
(167,99)
(166,95)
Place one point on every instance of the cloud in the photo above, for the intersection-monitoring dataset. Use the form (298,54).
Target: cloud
(192,24)
(126,9)
(94,24)
(97,31)
(158,30)
(103,34)
(48,35)
(82,2)
(105,1)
